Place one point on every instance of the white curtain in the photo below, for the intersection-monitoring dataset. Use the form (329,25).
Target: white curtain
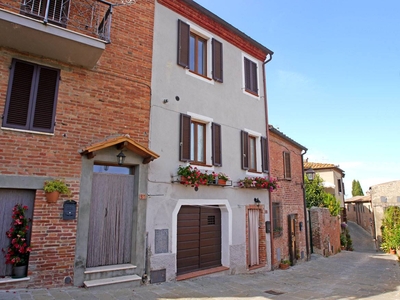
(253,237)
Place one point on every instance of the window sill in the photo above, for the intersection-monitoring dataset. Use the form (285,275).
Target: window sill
(27,131)
(13,280)
(199,76)
(251,94)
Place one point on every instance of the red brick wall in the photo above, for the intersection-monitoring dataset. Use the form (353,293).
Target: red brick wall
(111,99)
(289,194)
(361,213)
(325,231)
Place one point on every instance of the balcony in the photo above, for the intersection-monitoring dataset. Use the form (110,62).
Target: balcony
(70,31)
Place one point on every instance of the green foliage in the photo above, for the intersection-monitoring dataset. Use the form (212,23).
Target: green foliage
(314,191)
(343,240)
(391,228)
(356,189)
(56,185)
(332,204)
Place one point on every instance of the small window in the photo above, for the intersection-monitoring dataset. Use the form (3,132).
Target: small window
(250,76)
(339,184)
(195,54)
(254,148)
(31,97)
(195,134)
(383,199)
(286,165)
(277,219)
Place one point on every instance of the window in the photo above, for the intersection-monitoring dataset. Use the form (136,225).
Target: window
(339,183)
(254,148)
(250,76)
(193,48)
(287,171)
(277,219)
(196,133)
(31,97)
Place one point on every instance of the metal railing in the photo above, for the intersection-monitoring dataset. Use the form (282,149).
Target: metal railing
(89,17)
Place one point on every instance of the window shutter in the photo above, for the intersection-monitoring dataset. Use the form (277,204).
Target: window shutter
(217,61)
(247,74)
(245,149)
(216,145)
(184,142)
(46,99)
(253,75)
(17,107)
(286,165)
(183,44)
(264,153)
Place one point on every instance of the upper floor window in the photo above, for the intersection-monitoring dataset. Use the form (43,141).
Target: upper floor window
(254,149)
(250,76)
(194,50)
(287,170)
(196,134)
(31,97)
(277,223)
(339,183)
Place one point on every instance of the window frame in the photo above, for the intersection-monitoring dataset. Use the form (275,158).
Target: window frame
(194,154)
(41,94)
(196,56)
(251,76)
(277,219)
(287,167)
(213,53)
(261,151)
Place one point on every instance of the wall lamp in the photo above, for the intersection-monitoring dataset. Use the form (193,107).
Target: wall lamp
(121,158)
(310,173)
(257,201)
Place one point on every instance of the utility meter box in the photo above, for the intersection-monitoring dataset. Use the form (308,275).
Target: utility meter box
(69,210)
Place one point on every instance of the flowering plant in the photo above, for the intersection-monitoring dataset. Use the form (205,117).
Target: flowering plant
(259,182)
(223,176)
(194,177)
(17,253)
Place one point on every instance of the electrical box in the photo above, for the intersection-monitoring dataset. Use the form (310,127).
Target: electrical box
(268,226)
(69,210)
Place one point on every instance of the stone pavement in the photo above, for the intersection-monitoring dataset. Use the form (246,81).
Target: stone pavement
(362,240)
(347,275)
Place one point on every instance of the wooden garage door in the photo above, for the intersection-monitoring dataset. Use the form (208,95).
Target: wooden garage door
(199,238)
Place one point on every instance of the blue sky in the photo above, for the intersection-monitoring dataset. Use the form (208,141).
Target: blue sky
(334,81)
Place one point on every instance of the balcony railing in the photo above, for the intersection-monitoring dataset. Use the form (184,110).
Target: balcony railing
(89,17)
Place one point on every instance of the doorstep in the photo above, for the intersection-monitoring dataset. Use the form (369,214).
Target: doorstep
(201,273)
(13,280)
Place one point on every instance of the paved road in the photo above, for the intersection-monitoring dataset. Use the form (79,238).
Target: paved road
(347,275)
(362,240)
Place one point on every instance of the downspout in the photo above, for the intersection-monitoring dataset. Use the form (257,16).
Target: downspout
(269,58)
(305,206)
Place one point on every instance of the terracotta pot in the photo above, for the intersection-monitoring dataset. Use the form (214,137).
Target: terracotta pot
(183,179)
(284,266)
(221,181)
(52,197)
(392,251)
(19,271)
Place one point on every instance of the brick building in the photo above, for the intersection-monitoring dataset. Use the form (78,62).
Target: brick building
(75,92)
(289,223)
(359,210)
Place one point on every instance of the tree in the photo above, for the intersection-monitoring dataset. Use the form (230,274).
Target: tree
(356,189)
(332,204)
(314,191)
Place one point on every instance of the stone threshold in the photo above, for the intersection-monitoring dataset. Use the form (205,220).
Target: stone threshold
(109,268)
(13,280)
(201,273)
(113,280)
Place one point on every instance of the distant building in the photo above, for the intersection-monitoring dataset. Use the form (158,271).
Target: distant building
(359,210)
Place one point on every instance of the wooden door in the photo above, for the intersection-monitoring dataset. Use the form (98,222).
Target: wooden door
(292,220)
(8,199)
(110,225)
(198,238)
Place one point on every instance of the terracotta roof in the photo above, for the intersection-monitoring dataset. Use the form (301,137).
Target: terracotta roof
(284,136)
(122,142)
(366,198)
(321,166)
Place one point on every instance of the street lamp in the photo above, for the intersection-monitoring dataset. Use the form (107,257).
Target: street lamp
(310,173)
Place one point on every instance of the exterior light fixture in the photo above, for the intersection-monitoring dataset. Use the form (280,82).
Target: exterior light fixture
(257,201)
(310,173)
(121,158)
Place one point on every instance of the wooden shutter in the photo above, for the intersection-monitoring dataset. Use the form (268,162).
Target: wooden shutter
(250,76)
(46,99)
(183,44)
(286,165)
(247,84)
(217,61)
(184,142)
(216,145)
(245,149)
(264,154)
(19,93)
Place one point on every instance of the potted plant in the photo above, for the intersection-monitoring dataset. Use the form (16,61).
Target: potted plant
(17,253)
(53,188)
(259,182)
(222,178)
(343,241)
(284,264)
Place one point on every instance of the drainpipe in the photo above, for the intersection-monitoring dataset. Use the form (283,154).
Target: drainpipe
(269,58)
(305,208)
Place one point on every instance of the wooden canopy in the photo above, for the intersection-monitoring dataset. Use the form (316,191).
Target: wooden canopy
(121,142)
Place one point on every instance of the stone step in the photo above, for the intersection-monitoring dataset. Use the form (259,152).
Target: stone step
(110,271)
(121,281)
(109,268)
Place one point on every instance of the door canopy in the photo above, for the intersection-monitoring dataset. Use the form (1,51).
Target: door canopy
(121,142)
